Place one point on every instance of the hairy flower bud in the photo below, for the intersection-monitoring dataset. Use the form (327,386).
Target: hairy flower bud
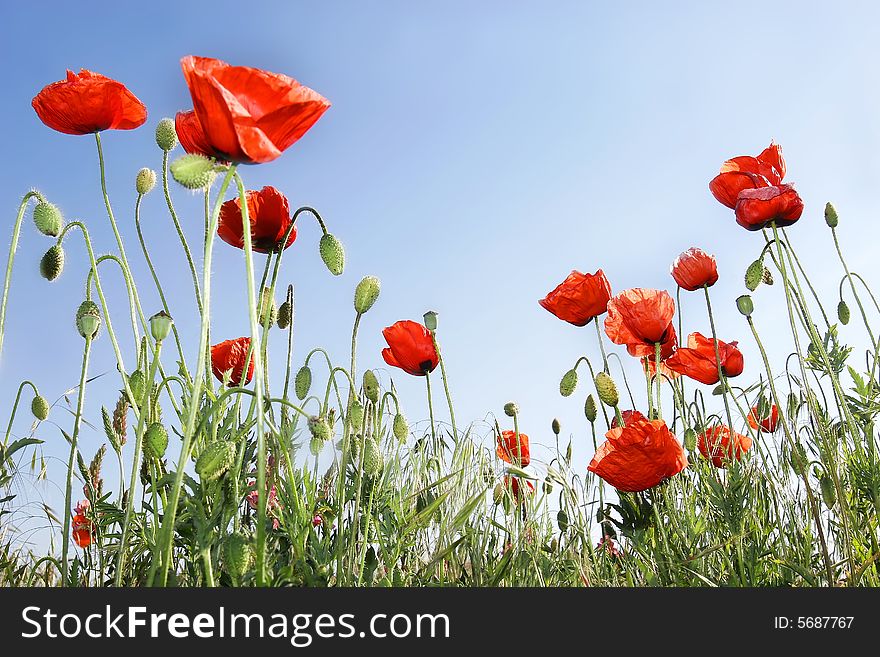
(400,428)
(160,325)
(40,407)
(365,294)
(843,312)
(798,459)
(268,309)
(88,319)
(606,389)
(145,181)
(690,439)
(511,409)
(238,555)
(303,382)
(590,409)
(320,428)
(215,460)
(556,426)
(568,383)
(754,275)
(373,461)
(831,215)
(745,305)
(497,494)
(829,495)
(52,263)
(137,382)
(193,171)
(48,219)
(166,135)
(356,415)
(155,441)
(562,520)
(285,315)
(332,253)
(371,386)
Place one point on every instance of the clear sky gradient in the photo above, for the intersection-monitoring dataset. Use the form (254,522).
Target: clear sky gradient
(475,154)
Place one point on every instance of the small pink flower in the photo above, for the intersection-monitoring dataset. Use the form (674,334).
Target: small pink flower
(272,503)
(82,507)
(317,520)
(608,543)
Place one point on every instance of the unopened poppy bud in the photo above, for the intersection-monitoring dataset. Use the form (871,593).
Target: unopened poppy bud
(268,309)
(137,381)
(792,405)
(215,460)
(373,460)
(145,181)
(238,555)
(497,494)
(303,382)
(166,135)
(399,427)
(48,219)
(745,305)
(829,495)
(430,318)
(511,409)
(606,389)
(356,414)
(690,439)
(843,312)
(798,459)
(556,426)
(160,325)
(155,441)
(568,383)
(831,215)
(320,428)
(332,253)
(562,520)
(52,263)
(193,171)
(40,407)
(754,275)
(88,319)
(365,294)
(285,315)
(371,386)
(590,409)
(547,487)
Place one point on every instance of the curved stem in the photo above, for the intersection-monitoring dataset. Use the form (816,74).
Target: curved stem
(15,407)
(107,198)
(183,242)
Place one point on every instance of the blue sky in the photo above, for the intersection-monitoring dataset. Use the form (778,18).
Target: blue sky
(474,154)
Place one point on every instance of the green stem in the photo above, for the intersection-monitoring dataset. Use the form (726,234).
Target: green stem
(183,242)
(107,198)
(721,376)
(15,408)
(445,385)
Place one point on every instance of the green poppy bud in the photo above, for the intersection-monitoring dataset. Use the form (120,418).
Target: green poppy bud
(40,407)
(48,219)
(160,325)
(303,382)
(268,310)
(831,215)
(285,315)
(215,460)
(745,305)
(568,383)
(511,409)
(320,428)
(829,495)
(562,520)
(356,415)
(166,135)
(373,461)
(193,171)
(238,555)
(606,389)
(155,441)
(52,263)
(690,439)
(400,428)
(754,275)
(88,319)
(556,426)
(137,382)
(365,294)
(497,494)
(590,409)
(371,386)
(843,312)
(332,253)
(145,181)
(798,459)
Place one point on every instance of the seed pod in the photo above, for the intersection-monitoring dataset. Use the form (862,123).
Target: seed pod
(843,312)
(52,263)
(829,495)
(555,426)
(285,314)
(754,275)
(160,325)
(193,171)
(303,382)
(166,135)
(48,219)
(373,461)
(88,319)
(590,409)
(606,389)
(215,460)
(365,294)
(400,428)
(145,181)
(155,441)
(744,305)
(568,383)
(332,253)
(371,386)
(356,415)
(430,318)
(562,520)
(40,407)
(690,439)
(320,428)
(511,409)
(831,217)
(238,555)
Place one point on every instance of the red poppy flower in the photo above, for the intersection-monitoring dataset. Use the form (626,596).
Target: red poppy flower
(579,298)
(88,102)
(693,269)
(269,216)
(508,450)
(698,361)
(230,356)
(745,172)
(638,456)
(513,485)
(248,115)
(83,530)
(720,444)
(755,208)
(640,318)
(191,136)
(628,417)
(410,347)
(765,424)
